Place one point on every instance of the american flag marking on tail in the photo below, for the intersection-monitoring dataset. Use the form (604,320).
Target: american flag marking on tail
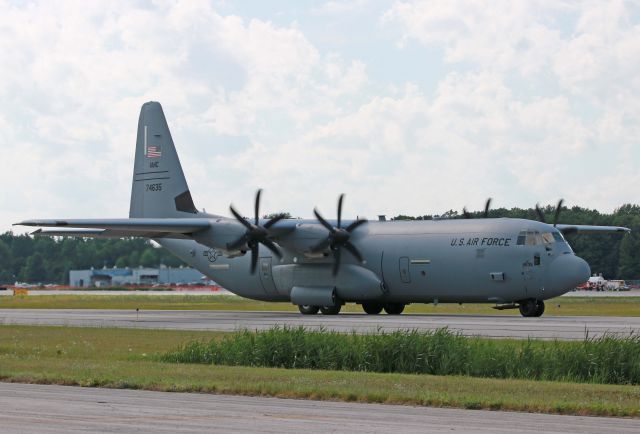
(154,152)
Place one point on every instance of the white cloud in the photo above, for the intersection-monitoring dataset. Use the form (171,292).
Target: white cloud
(530,97)
(549,85)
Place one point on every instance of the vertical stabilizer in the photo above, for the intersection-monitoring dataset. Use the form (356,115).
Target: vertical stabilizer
(159,188)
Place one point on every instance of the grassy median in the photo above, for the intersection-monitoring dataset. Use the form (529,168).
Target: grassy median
(575,306)
(129,358)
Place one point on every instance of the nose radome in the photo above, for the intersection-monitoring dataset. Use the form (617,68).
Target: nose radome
(566,272)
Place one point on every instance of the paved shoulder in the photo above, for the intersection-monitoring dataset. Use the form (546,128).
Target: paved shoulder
(63,409)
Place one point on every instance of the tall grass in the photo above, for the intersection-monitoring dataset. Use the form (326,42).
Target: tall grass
(608,359)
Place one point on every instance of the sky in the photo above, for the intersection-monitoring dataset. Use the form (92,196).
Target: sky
(406,107)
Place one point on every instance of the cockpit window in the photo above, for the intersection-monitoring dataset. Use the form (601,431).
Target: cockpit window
(532,238)
(529,238)
(548,238)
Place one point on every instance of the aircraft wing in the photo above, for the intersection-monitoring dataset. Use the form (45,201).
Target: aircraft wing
(588,229)
(135,227)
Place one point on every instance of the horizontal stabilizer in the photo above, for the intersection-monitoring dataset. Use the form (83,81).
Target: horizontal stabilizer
(588,229)
(105,233)
(128,227)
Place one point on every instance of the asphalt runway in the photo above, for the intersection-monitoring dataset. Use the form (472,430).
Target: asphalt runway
(64,409)
(546,327)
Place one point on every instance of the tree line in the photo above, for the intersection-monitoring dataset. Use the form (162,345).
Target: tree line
(42,259)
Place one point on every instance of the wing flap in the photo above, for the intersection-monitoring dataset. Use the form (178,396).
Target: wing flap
(105,233)
(589,229)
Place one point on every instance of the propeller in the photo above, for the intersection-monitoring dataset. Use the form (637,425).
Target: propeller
(255,234)
(487,207)
(338,237)
(556,214)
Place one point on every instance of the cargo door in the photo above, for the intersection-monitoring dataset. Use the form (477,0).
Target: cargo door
(264,268)
(405,275)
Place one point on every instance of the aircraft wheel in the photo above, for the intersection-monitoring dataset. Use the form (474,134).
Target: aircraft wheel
(529,308)
(330,310)
(305,309)
(372,308)
(539,308)
(394,308)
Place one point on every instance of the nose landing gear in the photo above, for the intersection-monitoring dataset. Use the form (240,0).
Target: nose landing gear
(531,308)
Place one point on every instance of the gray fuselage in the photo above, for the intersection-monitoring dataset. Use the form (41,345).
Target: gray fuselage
(483,260)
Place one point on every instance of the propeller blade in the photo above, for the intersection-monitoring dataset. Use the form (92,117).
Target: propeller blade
(238,243)
(352,249)
(323,221)
(272,246)
(273,221)
(557,214)
(257,205)
(466,213)
(340,199)
(321,245)
(487,206)
(540,214)
(254,257)
(241,219)
(336,261)
(355,224)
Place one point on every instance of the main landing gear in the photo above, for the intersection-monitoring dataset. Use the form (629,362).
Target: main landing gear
(376,308)
(325,310)
(531,308)
(370,308)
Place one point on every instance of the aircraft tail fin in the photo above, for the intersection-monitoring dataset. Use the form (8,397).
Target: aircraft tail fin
(159,187)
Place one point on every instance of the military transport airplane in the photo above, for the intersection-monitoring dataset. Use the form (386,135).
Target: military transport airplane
(322,264)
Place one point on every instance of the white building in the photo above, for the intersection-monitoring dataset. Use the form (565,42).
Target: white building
(102,277)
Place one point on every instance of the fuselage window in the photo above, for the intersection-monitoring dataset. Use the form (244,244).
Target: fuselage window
(536,259)
(522,236)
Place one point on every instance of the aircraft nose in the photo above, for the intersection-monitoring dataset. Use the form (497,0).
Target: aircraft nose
(567,272)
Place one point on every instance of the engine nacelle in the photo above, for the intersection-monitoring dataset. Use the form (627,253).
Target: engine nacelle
(303,238)
(222,232)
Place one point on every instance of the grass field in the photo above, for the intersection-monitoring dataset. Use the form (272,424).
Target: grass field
(123,358)
(605,306)
(603,360)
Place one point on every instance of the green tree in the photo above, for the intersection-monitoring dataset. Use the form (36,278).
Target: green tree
(148,258)
(6,266)
(34,271)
